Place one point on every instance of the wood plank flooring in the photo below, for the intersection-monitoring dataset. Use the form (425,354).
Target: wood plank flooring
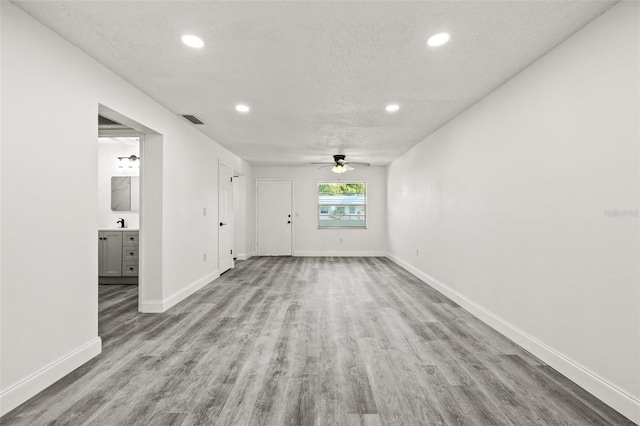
(308,341)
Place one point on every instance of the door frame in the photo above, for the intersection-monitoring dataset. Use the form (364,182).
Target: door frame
(293,221)
(150,212)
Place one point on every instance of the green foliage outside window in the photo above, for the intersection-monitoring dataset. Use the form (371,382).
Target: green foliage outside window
(341,188)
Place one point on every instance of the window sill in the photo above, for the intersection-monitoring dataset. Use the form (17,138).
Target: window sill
(342,227)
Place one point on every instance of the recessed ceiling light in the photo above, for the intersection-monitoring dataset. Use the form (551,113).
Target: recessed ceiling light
(192,41)
(438,39)
(392,107)
(242,108)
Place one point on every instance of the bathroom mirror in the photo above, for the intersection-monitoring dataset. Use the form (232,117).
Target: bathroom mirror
(125,193)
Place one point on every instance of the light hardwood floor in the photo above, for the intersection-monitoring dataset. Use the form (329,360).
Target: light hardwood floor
(302,341)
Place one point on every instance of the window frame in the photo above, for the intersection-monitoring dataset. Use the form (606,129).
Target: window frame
(345,206)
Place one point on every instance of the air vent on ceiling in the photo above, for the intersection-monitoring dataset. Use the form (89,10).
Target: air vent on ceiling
(192,118)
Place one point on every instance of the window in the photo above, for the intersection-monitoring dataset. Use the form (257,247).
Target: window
(342,205)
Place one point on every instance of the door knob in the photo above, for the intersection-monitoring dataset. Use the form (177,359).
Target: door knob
(288,221)
(221,223)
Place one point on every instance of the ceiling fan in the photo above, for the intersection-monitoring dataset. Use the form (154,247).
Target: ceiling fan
(340,165)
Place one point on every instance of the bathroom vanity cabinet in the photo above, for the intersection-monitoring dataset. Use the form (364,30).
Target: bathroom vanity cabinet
(110,253)
(130,253)
(117,253)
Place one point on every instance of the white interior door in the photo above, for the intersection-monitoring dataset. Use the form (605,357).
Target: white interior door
(225,218)
(274,217)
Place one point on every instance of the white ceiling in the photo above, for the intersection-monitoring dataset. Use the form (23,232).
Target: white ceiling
(317,75)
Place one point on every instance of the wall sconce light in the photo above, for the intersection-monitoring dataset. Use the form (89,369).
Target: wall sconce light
(130,161)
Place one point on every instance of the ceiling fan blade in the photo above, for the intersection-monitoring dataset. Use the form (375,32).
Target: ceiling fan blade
(340,162)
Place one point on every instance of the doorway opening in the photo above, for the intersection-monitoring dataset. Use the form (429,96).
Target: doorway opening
(118,207)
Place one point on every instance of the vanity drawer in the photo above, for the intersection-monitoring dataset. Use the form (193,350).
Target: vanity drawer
(129,269)
(130,238)
(130,253)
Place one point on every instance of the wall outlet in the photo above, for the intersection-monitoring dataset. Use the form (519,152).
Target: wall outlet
(417,252)
(204,257)
(204,211)
(341,239)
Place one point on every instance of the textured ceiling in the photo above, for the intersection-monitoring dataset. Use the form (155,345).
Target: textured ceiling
(317,75)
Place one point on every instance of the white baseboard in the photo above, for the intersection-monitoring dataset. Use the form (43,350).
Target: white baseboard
(159,306)
(15,395)
(243,256)
(152,307)
(339,253)
(611,395)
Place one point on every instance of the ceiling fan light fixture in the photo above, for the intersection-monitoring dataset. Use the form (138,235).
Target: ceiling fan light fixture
(339,168)
(392,107)
(438,39)
(193,41)
(242,108)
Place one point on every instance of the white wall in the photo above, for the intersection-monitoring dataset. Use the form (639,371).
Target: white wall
(51,92)
(508,205)
(108,165)
(308,240)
